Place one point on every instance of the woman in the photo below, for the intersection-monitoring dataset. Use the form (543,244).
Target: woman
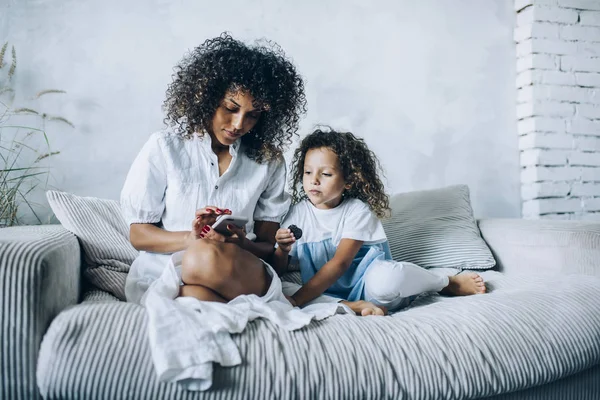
(231,110)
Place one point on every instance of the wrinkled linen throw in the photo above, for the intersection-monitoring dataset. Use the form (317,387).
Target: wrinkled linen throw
(187,335)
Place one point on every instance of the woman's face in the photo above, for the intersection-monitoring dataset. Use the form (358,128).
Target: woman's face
(235,116)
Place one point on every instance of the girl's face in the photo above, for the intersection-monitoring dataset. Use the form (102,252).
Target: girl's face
(323,179)
(235,116)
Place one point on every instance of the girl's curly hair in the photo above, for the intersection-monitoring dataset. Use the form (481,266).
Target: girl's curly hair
(360,167)
(222,64)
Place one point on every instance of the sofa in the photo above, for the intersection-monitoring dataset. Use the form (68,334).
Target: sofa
(65,334)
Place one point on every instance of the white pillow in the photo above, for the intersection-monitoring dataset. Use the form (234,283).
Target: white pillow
(103,234)
(436,228)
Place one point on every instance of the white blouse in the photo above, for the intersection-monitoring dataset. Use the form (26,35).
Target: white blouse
(172,177)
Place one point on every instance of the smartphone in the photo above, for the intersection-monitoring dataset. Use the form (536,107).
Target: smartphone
(222,221)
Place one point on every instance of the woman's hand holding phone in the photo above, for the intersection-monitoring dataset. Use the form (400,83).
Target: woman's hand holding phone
(204,218)
(229,229)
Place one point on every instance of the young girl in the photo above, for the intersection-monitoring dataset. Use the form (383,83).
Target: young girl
(341,246)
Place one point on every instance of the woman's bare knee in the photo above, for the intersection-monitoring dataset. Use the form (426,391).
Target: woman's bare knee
(200,262)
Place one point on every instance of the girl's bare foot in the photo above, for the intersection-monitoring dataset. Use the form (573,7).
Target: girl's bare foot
(464,284)
(364,308)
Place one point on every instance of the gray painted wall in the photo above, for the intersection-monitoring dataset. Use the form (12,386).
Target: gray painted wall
(428,84)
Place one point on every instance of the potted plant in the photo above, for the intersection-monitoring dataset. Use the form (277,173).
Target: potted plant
(24,145)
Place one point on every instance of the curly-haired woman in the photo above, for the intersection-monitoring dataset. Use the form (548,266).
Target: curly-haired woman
(343,250)
(231,110)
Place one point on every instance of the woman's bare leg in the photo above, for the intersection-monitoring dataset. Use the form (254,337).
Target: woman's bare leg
(224,268)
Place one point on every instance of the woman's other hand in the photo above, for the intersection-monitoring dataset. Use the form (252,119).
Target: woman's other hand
(285,239)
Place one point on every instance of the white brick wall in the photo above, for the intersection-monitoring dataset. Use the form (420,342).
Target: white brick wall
(558,107)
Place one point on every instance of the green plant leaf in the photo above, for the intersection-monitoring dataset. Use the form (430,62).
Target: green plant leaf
(46,155)
(25,110)
(6,90)
(22,177)
(23,127)
(2,52)
(17,169)
(29,205)
(48,91)
(13,65)
(22,144)
(7,149)
(61,119)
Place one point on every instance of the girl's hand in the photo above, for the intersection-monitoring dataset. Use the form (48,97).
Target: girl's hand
(205,217)
(285,239)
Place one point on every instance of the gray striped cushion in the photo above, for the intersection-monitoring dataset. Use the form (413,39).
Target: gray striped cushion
(39,277)
(103,234)
(97,295)
(436,228)
(519,335)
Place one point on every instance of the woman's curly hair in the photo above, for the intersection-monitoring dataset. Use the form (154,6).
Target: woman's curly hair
(222,64)
(360,167)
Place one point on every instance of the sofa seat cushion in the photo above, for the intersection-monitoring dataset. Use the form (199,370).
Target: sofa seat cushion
(524,332)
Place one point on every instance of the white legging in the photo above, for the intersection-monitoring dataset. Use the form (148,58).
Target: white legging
(391,283)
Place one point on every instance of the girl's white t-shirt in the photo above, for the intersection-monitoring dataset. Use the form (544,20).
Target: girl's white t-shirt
(322,232)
